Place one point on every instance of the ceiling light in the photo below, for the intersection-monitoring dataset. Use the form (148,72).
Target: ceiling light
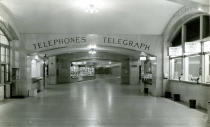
(91,9)
(90,6)
(36,57)
(200,9)
(92,46)
(92,51)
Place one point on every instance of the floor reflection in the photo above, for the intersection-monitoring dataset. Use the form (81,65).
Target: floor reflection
(99,103)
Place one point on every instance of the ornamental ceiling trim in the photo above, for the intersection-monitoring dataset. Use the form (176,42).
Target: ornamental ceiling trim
(180,17)
(8,31)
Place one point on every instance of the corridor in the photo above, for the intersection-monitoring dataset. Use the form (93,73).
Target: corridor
(97,103)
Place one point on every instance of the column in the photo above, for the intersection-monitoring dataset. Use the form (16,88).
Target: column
(52,70)
(125,72)
(63,70)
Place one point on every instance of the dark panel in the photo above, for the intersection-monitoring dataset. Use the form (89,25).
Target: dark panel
(193,30)
(206,26)
(177,40)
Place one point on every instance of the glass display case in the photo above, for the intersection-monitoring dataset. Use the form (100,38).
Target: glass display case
(82,72)
(146,71)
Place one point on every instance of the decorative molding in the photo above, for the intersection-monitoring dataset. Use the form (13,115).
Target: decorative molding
(180,17)
(6,23)
(39,43)
(8,30)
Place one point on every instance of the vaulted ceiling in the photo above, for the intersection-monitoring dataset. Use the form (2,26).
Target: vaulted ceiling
(113,17)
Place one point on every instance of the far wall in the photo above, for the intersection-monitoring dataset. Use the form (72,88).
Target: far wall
(116,70)
(59,66)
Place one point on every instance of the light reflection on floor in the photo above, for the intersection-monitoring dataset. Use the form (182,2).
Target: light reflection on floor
(99,103)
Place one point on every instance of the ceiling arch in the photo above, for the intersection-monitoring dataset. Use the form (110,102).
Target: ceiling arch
(115,17)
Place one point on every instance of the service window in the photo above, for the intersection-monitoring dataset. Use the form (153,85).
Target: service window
(176,68)
(193,70)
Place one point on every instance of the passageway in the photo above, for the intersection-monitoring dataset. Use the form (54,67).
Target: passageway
(102,102)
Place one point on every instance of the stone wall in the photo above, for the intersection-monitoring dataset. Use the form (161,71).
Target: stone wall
(52,79)
(134,72)
(187,91)
(125,72)
(116,70)
(63,70)
(64,61)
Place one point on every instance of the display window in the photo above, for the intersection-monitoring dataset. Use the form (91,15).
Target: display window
(147,69)
(80,69)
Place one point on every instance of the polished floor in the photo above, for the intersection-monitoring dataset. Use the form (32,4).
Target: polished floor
(99,103)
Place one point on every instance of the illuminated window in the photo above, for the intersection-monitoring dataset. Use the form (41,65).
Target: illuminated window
(176,68)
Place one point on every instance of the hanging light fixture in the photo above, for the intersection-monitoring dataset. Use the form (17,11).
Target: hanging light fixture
(92,50)
(90,6)
(200,9)
(91,9)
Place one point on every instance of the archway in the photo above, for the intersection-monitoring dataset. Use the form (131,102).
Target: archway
(133,46)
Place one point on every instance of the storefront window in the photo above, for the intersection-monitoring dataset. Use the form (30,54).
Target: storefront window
(77,71)
(81,71)
(176,68)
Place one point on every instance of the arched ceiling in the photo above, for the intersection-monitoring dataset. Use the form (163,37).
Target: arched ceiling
(114,16)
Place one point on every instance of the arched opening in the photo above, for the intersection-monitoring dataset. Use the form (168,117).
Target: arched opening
(127,66)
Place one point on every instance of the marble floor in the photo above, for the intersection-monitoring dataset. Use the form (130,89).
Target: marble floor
(99,103)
